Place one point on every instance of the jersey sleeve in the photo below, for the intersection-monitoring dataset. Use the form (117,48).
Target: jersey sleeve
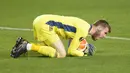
(72,50)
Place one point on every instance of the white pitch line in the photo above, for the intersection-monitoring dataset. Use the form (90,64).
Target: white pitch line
(19,29)
(119,38)
(26,29)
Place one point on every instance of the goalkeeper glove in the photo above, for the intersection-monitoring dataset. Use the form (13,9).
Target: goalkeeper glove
(90,50)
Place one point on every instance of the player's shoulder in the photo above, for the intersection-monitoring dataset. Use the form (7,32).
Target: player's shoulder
(81,22)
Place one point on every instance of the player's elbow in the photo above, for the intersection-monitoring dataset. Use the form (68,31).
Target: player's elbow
(75,53)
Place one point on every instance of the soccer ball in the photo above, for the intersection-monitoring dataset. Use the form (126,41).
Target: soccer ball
(83,45)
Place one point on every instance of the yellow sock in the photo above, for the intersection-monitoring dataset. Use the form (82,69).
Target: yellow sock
(45,50)
(35,47)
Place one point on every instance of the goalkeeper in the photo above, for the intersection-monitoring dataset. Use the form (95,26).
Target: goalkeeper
(47,30)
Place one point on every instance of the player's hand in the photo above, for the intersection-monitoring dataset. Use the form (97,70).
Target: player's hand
(90,50)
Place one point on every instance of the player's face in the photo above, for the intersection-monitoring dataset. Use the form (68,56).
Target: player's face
(99,34)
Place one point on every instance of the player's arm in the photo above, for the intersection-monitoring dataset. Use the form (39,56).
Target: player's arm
(72,50)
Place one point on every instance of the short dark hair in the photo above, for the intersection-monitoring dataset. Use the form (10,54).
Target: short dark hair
(103,23)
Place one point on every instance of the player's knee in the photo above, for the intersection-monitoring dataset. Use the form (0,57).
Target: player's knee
(63,54)
(54,53)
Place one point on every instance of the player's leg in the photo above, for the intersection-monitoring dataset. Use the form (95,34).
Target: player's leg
(48,48)
(43,33)
(22,46)
(58,45)
(42,49)
(46,34)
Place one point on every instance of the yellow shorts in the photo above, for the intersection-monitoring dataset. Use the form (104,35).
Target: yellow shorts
(43,32)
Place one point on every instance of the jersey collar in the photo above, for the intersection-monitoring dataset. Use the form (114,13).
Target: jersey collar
(90,28)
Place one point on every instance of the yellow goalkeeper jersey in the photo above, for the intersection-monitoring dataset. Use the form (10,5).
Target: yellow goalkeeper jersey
(68,27)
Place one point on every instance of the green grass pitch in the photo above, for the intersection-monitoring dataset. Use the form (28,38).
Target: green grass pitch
(112,55)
